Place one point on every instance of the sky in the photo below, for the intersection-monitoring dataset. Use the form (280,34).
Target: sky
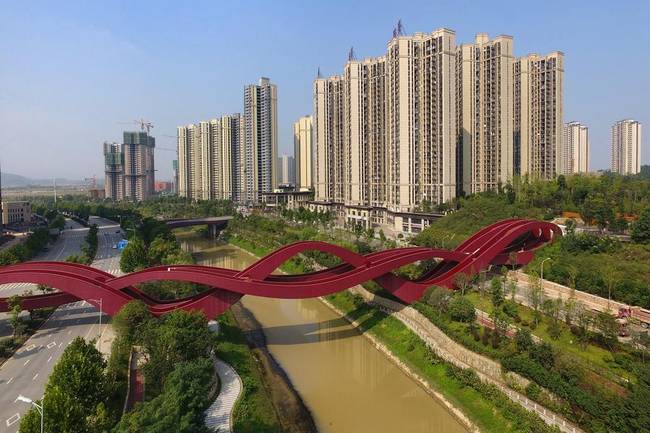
(74,73)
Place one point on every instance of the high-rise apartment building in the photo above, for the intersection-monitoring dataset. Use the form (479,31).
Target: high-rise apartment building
(484,110)
(303,152)
(113,171)
(385,133)
(286,170)
(538,116)
(398,134)
(260,139)
(576,148)
(626,147)
(139,170)
(209,159)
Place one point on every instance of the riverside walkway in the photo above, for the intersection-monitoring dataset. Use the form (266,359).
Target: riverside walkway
(218,417)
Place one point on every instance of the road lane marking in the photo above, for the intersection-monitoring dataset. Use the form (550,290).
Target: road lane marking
(69,331)
(60,344)
(10,380)
(26,362)
(13,419)
(51,345)
(49,359)
(35,376)
(30,347)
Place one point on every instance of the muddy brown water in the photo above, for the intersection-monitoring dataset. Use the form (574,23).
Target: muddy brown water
(348,385)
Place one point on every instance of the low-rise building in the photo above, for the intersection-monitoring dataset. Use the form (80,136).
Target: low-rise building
(16,212)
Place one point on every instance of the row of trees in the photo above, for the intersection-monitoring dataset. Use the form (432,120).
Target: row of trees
(88,249)
(178,373)
(27,250)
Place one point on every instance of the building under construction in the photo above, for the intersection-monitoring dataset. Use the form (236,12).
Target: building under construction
(129,167)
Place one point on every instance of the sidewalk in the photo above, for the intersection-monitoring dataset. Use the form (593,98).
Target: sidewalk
(218,417)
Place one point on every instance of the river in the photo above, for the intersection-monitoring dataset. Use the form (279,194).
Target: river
(348,385)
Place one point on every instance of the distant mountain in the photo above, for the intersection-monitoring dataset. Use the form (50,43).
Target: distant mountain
(10,180)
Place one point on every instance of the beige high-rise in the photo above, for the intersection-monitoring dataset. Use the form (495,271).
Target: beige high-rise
(626,147)
(576,148)
(260,139)
(485,103)
(303,152)
(385,132)
(209,155)
(538,118)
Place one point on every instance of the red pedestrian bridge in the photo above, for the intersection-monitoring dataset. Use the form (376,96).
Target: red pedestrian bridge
(497,244)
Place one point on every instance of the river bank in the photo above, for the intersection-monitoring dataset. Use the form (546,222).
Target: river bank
(347,384)
(292,413)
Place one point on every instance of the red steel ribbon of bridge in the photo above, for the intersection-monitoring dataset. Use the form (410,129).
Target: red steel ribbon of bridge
(493,245)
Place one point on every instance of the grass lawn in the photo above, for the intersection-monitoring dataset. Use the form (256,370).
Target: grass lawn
(253,412)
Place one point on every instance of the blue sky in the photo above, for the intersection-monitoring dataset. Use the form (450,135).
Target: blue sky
(70,71)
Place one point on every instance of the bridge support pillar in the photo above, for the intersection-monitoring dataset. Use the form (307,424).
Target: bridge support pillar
(213,231)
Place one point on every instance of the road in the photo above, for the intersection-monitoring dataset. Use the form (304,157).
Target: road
(27,371)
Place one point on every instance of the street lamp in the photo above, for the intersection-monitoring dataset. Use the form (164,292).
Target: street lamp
(541,272)
(99,337)
(38,407)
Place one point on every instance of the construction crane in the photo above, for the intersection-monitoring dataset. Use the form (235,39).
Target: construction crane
(145,125)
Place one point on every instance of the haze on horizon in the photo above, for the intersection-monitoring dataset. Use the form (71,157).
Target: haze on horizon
(71,72)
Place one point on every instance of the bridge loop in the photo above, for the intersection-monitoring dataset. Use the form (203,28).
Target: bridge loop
(489,246)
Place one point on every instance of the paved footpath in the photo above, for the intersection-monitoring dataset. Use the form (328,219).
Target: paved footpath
(218,417)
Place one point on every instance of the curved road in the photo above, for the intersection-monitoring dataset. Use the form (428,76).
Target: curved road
(27,371)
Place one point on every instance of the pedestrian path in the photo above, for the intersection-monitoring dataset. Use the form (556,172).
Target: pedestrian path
(218,417)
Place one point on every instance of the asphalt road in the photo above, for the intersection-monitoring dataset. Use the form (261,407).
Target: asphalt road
(27,371)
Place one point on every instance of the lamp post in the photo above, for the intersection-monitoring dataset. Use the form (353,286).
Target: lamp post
(39,408)
(541,271)
(99,337)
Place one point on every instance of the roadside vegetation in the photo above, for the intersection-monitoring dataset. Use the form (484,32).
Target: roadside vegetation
(254,412)
(88,249)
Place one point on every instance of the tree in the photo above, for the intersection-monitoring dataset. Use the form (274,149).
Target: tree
(132,322)
(641,340)
(496,290)
(438,298)
(14,303)
(553,308)
(608,327)
(641,228)
(501,323)
(461,309)
(74,390)
(535,297)
(523,340)
(180,336)
(583,324)
(570,307)
(610,276)
(179,408)
(543,353)
(463,281)
(596,208)
(134,255)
